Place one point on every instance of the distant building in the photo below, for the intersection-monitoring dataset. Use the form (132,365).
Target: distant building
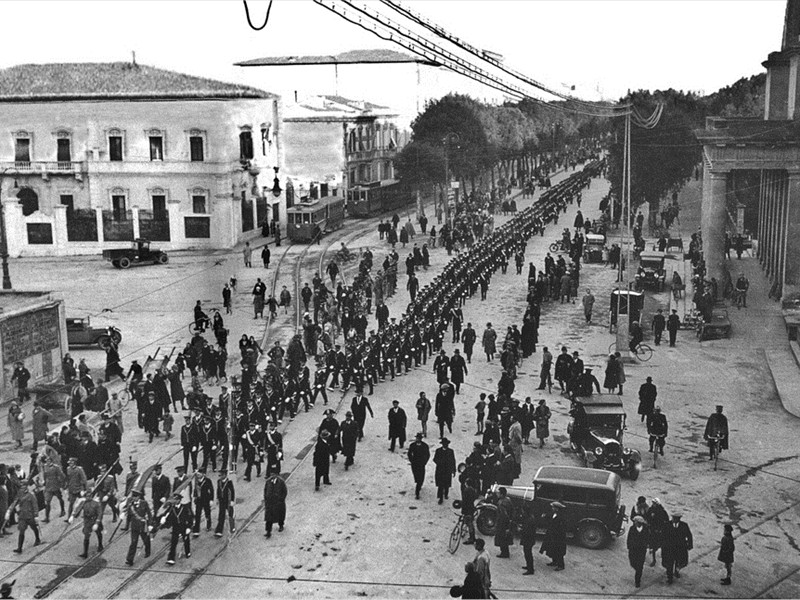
(333,144)
(752,173)
(93,155)
(33,331)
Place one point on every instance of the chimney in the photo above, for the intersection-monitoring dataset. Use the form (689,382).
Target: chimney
(133,58)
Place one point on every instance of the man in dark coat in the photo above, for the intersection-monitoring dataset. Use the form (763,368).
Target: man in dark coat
(716,427)
(504,535)
(397,425)
(529,337)
(331,425)
(555,538)
(359,407)
(274,503)
(563,367)
(445,460)
(468,337)
(203,497)
(638,541)
(458,369)
(440,366)
(658,325)
(527,539)
(445,409)
(418,456)
(673,324)
(348,436)
(647,398)
(676,541)
(322,460)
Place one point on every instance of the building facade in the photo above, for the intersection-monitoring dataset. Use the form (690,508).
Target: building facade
(94,155)
(752,169)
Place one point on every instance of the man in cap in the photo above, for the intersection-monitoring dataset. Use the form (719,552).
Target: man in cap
(331,425)
(275,492)
(638,540)
(54,482)
(322,460)
(92,523)
(179,519)
(673,324)
(348,437)
(555,538)
(445,460)
(444,408)
(189,442)
(418,456)
(27,509)
(186,492)
(273,442)
(226,498)
(675,545)
(397,425)
(251,447)
(359,407)
(203,497)
(76,483)
(657,429)
(716,431)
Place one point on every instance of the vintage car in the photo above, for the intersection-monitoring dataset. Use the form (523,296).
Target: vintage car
(81,333)
(594,248)
(601,445)
(139,252)
(592,514)
(651,273)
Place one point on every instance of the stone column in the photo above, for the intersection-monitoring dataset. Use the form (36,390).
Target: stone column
(713,218)
(791,278)
(761,220)
(60,229)
(135,218)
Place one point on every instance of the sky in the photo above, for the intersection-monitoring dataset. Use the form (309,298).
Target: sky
(603,47)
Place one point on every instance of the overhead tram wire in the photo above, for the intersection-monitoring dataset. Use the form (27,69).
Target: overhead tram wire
(388,30)
(443,33)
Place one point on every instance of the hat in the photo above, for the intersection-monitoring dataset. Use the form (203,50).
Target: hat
(180,468)
(639,519)
(588,369)
(477,445)
(727,527)
(201,470)
(677,514)
(325,434)
(541,401)
(329,411)
(223,472)
(395,401)
(641,500)
(656,501)
(556,505)
(719,406)
(189,417)
(419,436)
(348,414)
(445,442)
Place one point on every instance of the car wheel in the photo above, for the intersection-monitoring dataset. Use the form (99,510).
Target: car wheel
(115,263)
(592,536)
(163,258)
(116,337)
(634,471)
(104,342)
(124,262)
(487,521)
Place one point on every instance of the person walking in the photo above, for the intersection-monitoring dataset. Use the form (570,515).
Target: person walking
(445,460)
(726,550)
(445,409)
(638,541)
(265,255)
(673,324)
(348,438)
(179,519)
(16,422)
(397,425)
(458,369)
(545,376)
(247,254)
(226,499)
(527,539)
(541,416)
(658,325)
(92,523)
(40,419)
(647,398)
(423,411)
(482,564)
(504,535)
(555,538)
(675,545)
(359,407)
(275,493)
(138,517)
(418,456)
(27,509)
(468,337)
(588,304)
(322,460)
(489,340)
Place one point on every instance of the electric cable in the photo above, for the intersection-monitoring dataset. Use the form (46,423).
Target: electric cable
(249,22)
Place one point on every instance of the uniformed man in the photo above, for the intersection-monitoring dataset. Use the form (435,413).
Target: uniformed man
(179,519)
(226,497)
(274,503)
(189,443)
(76,483)
(27,509)
(203,497)
(161,488)
(92,523)
(273,449)
(251,450)
(139,517)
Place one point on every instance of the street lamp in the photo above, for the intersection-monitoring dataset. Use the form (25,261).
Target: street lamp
(3,237)
(276,184)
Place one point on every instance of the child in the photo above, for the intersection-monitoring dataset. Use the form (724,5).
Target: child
(726,549)
(169,420)
(480,407)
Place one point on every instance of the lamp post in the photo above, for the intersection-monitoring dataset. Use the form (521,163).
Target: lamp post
(3,237)
(451,136)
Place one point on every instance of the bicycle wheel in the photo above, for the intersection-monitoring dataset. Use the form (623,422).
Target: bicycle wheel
(716,453)
(644,352)
(554,247)
(455,538)
(655,454)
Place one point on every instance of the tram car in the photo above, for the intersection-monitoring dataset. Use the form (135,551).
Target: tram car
(367,201)
(308,220)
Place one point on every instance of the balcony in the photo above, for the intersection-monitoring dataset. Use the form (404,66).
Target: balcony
(163,167)
(43,167)
(372,154)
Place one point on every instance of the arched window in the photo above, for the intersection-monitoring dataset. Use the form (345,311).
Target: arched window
(29,201)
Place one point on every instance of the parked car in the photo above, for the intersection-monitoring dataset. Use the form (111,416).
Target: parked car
(81,333)
(601,447)
(594,248)
(593,514)
(651,272)
(139,252)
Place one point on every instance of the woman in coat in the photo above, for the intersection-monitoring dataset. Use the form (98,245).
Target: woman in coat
(16,423)
(40,418)
(541,416)
(445,460)
(611,382)
(489,340)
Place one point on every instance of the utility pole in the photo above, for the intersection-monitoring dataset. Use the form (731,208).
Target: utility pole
(623,328)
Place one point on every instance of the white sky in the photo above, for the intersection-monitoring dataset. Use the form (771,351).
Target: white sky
(616,45)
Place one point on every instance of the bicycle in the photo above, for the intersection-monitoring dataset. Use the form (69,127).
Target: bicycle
(658,446)
(643,351)
(716,448)
(460,531)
